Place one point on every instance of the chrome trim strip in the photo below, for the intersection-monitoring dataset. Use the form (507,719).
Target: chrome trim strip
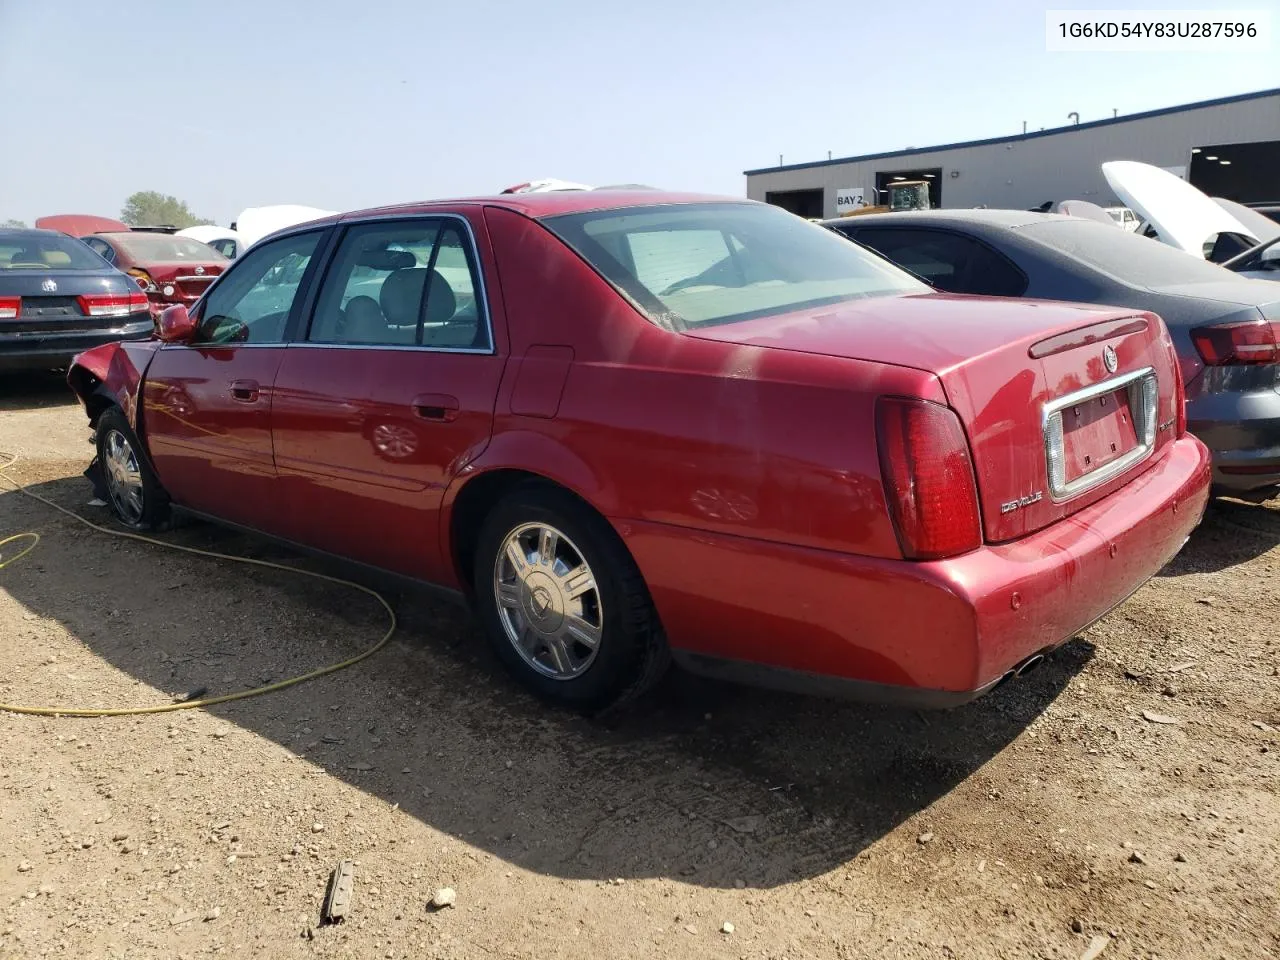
(1143,406)
(398,347)
(207,277)
(277,345)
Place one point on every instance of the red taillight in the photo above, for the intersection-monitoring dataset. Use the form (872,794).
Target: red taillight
(10,307)
(143,280)
(112,304)
(1254,342)
(928,478)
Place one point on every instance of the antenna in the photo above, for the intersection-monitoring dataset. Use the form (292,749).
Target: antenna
(1115,112)
(1024,126)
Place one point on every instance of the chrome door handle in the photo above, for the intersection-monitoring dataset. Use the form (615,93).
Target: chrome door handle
(246,391)
(436,406)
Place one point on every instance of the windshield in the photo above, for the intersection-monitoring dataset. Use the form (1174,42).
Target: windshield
(693,265)
(1126,256)
(1265,256)
(164,248)
(43,251)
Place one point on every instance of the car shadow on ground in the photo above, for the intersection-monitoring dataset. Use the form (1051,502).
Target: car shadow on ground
(712,784)
(1232,532)
(34,389)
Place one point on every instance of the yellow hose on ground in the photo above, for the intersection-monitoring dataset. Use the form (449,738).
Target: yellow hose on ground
(34,539)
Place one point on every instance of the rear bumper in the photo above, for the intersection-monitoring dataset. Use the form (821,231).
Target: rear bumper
(927,634)
(34,351)
(1243,432)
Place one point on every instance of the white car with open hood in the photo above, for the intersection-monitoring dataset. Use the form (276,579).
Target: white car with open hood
(254,223)
(223,239)
(1177,213)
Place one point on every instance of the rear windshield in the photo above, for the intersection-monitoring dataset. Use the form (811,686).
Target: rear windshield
(164,248)
(44,251)
(700,264)
(1125,256)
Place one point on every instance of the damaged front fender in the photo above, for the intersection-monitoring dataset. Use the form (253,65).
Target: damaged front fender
(111,375)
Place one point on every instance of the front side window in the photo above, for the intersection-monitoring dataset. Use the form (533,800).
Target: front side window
(225,246)
(402,283)
(251,304)
(691,265)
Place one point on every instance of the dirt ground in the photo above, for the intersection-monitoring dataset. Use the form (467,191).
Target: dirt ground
(1051,813)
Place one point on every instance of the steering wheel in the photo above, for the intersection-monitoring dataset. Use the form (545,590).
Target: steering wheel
(228,328)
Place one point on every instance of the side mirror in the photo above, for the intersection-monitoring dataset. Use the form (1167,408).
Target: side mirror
(176,325)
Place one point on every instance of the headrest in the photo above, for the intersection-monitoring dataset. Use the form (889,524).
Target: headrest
(386,259)
(401,296)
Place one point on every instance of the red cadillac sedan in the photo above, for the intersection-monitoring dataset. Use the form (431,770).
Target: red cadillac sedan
(638,426)
(168,269)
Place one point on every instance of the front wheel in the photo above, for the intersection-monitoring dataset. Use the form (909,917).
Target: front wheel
(563,603)
(136,497)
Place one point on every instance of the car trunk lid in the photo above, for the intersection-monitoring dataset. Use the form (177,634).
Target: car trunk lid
(50,300)
(1052,426)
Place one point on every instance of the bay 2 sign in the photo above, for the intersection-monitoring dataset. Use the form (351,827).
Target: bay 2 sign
(848,199)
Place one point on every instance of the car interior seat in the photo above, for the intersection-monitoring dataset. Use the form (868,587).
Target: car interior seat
(363,321)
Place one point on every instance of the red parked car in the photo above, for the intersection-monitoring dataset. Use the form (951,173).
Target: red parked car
(638,425)
(167,268)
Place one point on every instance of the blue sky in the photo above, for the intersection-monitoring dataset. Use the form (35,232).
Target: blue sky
(343,105)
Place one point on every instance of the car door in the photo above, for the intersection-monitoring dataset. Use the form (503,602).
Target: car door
(207,404)
(387,394)
(947,260)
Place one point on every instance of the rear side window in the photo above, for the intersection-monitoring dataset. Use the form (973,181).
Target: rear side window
(691,265)
(45,251)
(949,261)
(406,283)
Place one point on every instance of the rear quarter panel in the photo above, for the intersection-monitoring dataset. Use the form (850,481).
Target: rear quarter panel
(653,426)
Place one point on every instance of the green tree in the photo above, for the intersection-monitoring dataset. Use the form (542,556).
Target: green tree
(12,223)
(149,208)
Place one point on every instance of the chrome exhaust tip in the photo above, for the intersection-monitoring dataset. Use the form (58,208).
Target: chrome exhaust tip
(1028,665)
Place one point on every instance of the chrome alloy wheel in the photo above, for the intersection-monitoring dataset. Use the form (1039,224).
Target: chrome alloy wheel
(548,601)
(124,478)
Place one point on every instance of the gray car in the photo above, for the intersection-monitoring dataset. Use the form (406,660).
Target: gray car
(1226,328)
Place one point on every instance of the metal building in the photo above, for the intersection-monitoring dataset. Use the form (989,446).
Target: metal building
(1228,148)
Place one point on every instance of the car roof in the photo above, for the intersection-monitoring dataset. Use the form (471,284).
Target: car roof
(551,204)
(993,218)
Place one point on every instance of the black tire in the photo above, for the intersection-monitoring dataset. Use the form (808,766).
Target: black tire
(632,652)
(153,512)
